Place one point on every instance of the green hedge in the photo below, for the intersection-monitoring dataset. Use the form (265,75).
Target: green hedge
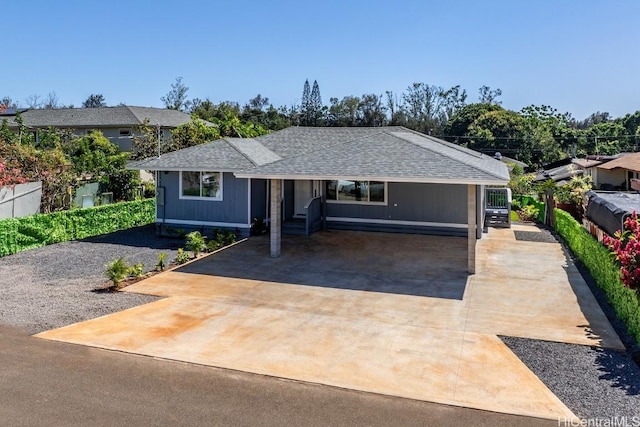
(29,232)
(604,269)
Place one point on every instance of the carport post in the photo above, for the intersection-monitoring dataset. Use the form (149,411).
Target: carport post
(471,221)
(275,225)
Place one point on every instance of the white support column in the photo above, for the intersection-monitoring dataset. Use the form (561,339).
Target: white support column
(276,217)
(471,220)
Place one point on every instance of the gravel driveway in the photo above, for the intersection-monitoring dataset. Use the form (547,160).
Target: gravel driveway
(55,285)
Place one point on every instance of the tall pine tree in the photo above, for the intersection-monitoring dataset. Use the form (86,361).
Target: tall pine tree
(315,105)
(305,107)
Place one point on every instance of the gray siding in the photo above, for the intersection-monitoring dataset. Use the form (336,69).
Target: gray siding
(258,198)
(443,203)
(231,209)
(420,203)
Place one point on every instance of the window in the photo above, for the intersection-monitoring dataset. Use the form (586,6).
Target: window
(201,185)
(356,191)
(125,132)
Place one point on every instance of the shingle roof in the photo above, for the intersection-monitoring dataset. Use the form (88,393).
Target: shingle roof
(125,116)
(387,153)
(254,151)
(217,155)
(629,161)
(392,153)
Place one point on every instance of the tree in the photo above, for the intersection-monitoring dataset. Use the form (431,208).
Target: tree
(371,112)
(95,100)
(457,127)
(488,96)
(33,101)
(315,105)
(51,101)
(176,98)
(7,102)
(258,103)
(423,106)
(305,105)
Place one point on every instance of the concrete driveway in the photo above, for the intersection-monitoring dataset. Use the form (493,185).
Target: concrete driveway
(383,313)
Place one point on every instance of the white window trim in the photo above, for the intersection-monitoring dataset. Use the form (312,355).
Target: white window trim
(360,202)
(208,199)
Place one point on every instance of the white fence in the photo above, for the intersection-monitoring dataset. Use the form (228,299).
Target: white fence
(20,200)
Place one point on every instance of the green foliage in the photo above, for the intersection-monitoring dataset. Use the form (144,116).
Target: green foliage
(136,270)
(528,213)
(161,265)
(182,256)
(94,155)
(520,183)
(196,242)
(38,230)
(603,268)
(117,270)
(122,183)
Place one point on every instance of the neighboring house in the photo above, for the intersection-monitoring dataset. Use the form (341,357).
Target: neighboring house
(617,174)
(560,172)
(118,124)
(304,179)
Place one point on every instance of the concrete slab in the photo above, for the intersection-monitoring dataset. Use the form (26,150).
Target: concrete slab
(408,324)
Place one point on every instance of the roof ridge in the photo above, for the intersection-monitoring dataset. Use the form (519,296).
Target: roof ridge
(235,147)
(452,146)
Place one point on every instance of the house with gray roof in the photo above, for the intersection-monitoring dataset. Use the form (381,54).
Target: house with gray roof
(118,124)
(305,179)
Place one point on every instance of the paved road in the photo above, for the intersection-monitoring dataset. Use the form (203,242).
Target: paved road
(50,383)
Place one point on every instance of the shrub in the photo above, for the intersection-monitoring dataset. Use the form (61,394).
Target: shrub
(602,266)
(196,242)
(528,213)
(161,265)
(136,270)
(117,270)
(19,234)
(182,256)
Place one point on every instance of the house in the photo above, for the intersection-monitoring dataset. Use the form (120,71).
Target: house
(618,173)
(303,178)
(118,124)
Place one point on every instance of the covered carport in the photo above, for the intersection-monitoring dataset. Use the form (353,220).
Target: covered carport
(394,155)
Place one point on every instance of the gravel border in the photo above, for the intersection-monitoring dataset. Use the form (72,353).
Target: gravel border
(55,285)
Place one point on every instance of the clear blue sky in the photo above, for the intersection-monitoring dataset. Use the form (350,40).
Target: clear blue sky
(579,56)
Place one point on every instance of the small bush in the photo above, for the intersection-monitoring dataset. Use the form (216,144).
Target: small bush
(117,270)
(196,242)
(182,256)
(136,270)
(528,213)
(161,265)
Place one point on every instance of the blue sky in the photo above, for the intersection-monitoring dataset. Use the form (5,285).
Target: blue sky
(579,56)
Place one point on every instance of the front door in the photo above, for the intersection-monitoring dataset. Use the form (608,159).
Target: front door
(301,195)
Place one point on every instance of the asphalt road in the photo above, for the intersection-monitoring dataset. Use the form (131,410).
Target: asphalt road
(56,384)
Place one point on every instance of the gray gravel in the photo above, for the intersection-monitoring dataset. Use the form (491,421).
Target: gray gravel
(55,285)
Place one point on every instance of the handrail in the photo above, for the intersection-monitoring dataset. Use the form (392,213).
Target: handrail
(313,210)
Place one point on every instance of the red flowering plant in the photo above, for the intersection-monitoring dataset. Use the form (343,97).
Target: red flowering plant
(625,247)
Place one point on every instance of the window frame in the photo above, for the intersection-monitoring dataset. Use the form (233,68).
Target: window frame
(385,202)
(181,195)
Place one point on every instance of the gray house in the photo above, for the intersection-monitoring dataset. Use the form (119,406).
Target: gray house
(118,124)
(304,179)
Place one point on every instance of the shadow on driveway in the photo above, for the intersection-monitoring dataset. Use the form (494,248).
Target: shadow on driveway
(428,266)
